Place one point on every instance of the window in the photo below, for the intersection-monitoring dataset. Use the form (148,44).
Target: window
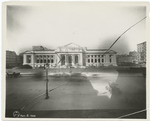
(95,60)
(28,58)
(91,55)
(110,60)
(37,61)
(48,61)
(98,55)
(95,55)
(92,60)
(99,60)
(102,60)
(70,59)
(44,61)
(52,60)
(76,59)
(41,61)
(102,55)
(88,60)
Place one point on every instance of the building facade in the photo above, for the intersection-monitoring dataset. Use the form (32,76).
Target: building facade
(11,59)
(68,55)
(141,50)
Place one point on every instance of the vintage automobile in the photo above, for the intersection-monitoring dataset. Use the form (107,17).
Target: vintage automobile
(12,74)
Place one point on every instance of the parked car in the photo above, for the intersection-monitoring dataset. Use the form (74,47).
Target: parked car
(11,73)
(23,67)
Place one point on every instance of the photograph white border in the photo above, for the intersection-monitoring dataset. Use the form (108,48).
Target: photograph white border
(3,63)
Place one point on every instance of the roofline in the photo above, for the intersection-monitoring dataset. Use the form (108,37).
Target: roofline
(141,43)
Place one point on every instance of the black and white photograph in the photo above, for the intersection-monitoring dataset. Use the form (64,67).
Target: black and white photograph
(75,60)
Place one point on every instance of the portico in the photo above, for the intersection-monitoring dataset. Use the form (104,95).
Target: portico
(70,59)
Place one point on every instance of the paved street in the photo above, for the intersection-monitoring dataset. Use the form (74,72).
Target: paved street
(99,90)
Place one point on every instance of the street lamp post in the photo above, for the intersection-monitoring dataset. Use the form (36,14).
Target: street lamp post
(46,67)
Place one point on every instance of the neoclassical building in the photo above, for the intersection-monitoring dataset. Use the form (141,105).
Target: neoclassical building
(68,55)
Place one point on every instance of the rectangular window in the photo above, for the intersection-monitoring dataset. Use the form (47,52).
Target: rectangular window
(28,58)
(92,60)
(88,60)
(102,60)
(95,60)
(99,60)
(110,60)
(37,61)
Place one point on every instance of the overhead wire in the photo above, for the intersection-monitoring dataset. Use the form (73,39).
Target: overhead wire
(123,34)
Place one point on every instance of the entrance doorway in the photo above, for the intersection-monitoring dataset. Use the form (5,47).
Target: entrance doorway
(76,59)
(62,59)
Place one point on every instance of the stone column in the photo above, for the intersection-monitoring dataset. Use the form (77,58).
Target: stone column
(46,59)
(80,59)
(24,59)
(100,59)
(90,59)
(73,59)
(32,61)
(66,59)
(58,60)
(72,63)
(42,59)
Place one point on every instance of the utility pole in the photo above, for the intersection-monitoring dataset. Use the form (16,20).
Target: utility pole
(46,67)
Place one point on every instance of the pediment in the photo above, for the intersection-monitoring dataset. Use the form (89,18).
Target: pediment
(71,47)
(111,51)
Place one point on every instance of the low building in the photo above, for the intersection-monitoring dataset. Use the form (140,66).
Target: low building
(127,60)
(68,55)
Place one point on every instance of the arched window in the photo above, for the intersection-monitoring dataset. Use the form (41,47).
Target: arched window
(41,61)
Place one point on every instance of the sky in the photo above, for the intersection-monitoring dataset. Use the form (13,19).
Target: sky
(88,24)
